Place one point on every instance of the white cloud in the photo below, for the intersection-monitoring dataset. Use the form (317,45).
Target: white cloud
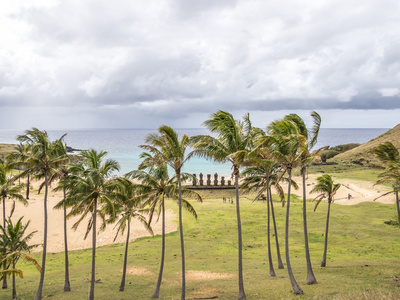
(169,59)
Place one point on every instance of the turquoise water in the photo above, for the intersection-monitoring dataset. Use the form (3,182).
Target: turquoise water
(123,144)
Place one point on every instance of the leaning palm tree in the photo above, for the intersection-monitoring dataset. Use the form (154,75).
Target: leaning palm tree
(91,190)
(127,207)
(328,189)
(13,246)
(154,188)
(9,190)
(305,159)
(389,156)
(287,147)
(43,158)
(234,139)
(166,147)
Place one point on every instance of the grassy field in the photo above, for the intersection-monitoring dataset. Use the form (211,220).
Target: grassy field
(363,257)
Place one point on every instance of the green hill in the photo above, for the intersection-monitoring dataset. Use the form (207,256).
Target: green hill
(361,155)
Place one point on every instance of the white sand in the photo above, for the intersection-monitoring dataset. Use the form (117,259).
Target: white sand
(55,238)
(360,191)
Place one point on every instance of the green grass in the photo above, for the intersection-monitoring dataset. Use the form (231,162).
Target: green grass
(347,170)
(363,257)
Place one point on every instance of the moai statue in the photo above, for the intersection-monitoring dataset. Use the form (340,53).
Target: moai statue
(208,179)
(222,180)
(215,179)
(194,180)
(229,183)
(201,178)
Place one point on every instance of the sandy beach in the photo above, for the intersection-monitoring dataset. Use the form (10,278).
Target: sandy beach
(360,191)
(34,212)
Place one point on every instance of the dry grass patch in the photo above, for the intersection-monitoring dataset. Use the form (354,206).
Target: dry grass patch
(205,275)
(134,270)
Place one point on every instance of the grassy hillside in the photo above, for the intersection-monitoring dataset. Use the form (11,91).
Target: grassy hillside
(363,257)
(6,149)
(360,154)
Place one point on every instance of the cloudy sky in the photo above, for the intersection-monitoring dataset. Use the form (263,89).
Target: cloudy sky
(140,64)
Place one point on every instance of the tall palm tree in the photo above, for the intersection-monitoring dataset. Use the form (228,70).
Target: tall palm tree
(127,207)
(43,158)
(287,148)
(261,178)
(154,187)
(234,139)
(91,190)
(305,159)
(389,156)
(166,147)
(10,190)
(13,246)
(328,189)
(62,177)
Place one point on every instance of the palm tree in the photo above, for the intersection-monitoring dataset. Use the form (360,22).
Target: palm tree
(234,140)
(19,158)
(261,178)
(91,190)
(154,187)
(287,147)
(166,147)
(328,189)
(43,158)
(127,207)
(305,158)
(62,176)
(389,155)
(13,245)
(10,190)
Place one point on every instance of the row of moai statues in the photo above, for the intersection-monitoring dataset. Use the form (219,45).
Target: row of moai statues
(208,182)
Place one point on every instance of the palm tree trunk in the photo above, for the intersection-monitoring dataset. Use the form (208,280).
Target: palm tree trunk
(93,280)
(181,236)
(310,274)
(67,286)
(271,266)
(157,290)
(38,295)
(4,212)
(4,226)
(27,188)
(278,252)
(14,291)
(242,295)
(122,286)
(296,288)
(398,208)
(323,263)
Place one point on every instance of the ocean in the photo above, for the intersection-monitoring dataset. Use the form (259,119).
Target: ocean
(123,144)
